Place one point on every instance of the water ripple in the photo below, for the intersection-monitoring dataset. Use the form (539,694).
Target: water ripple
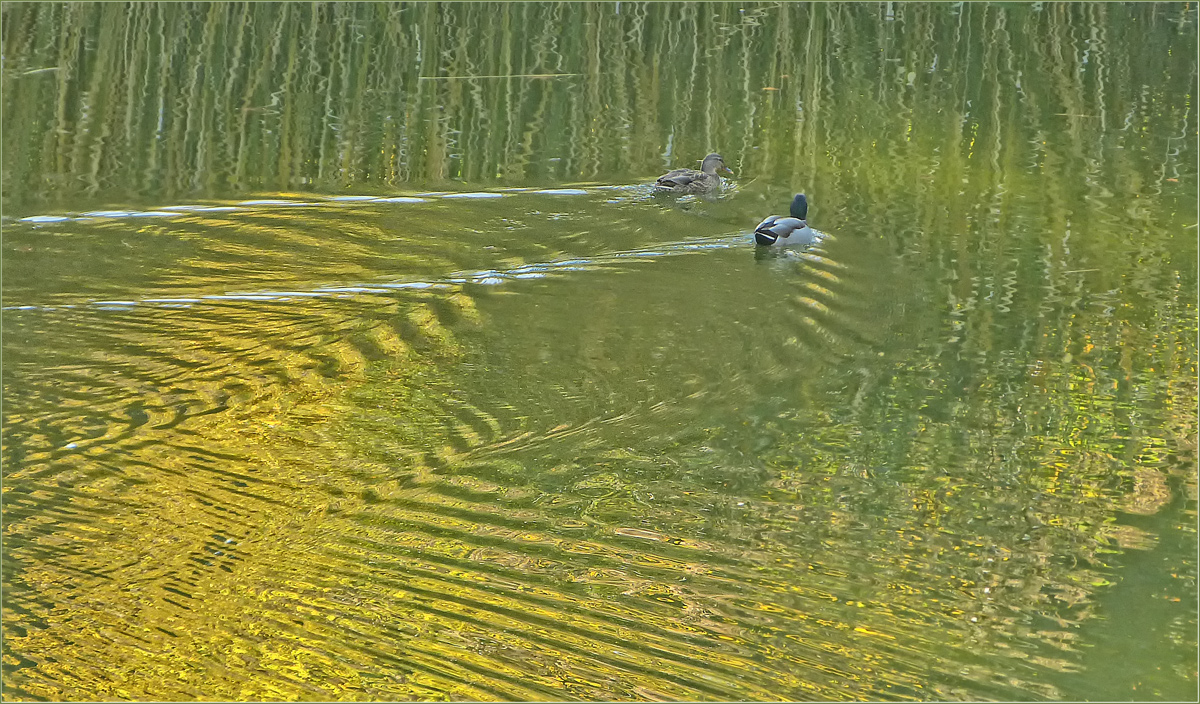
(259,203)
(488,277)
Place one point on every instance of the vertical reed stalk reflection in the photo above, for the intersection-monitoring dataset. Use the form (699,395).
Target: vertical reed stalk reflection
(174,99)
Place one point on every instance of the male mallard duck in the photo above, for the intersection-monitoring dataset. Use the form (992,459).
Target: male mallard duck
(691,180)
(787,232)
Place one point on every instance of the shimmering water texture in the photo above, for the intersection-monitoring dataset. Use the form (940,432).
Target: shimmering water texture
(349,355)
(486,277)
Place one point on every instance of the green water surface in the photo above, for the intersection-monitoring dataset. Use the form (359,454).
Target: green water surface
(348,354)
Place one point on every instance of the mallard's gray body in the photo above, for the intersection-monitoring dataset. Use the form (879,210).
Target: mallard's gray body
(777,231)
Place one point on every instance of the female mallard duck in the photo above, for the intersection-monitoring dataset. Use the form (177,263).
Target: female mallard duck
(787,232)
(691,180)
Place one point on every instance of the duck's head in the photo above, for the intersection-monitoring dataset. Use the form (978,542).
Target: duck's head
(799,209)
(714,163)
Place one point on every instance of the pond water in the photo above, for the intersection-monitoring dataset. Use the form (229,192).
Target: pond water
(348,354)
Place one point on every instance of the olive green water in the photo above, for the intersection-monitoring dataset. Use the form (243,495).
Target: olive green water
(347,354)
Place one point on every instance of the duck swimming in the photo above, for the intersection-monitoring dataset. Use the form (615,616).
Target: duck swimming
(792,231)
(691,180)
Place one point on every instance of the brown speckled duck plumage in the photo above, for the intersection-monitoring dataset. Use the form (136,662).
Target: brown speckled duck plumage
(691,180)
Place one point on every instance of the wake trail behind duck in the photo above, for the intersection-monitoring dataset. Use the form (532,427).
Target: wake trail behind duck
(481,277)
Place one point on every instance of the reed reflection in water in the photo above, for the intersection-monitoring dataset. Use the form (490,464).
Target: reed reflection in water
(579,443)
(198,98)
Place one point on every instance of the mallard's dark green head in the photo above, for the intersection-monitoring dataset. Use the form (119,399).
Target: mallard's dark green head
(800,207)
